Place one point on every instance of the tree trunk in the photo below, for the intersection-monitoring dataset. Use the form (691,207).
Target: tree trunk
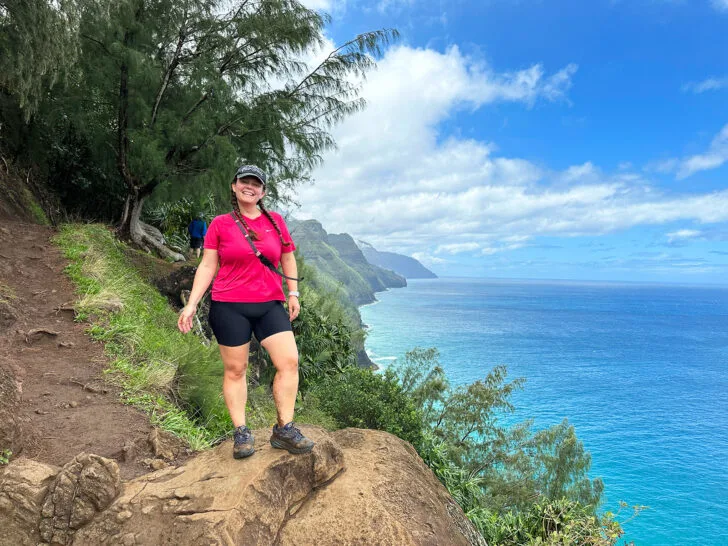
(141,234)
(125,214)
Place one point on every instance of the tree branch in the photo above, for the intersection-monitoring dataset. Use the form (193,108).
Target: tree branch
(99,43)
(170,69)
(192,110)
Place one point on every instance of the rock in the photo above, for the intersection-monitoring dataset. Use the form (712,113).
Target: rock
(216,499)
(86,485)
(10,424)
(355,487)
(165,445)
(156,464)
(23,487)
(386,496)
(123,515)
(180,279)
(129,451)
(73,404)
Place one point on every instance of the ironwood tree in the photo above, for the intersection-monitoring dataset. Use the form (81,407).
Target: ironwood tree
(178,92)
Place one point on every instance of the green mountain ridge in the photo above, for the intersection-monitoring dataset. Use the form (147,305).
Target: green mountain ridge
(341,263)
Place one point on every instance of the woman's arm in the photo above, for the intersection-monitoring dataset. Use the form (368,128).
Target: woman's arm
(290,269)
(205,273)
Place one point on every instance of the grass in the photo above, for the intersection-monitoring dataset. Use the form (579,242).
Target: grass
(173,377)
(35,209)
(7,295)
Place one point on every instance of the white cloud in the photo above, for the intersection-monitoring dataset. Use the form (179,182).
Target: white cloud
(457,248)
(712,159)
(399,184)
(384,6)
(711,84)
(682,234)
(720,5)
(321,5)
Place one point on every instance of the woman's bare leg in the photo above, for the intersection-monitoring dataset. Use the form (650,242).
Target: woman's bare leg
(234,384)
(283,352)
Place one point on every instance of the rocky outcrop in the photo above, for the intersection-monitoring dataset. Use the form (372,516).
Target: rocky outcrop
(356,487)
(10,422)
(23,489)
(86,485)
(39,501)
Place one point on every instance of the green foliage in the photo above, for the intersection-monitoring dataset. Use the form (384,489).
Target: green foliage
(561,466)
(172,218)
(188,79)
(5,456)
(39,41)
(513,464)
(550,523)
(38,215)
(167,97)
(360,398)
(324,345)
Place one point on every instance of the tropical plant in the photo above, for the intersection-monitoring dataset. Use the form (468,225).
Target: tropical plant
(360,398)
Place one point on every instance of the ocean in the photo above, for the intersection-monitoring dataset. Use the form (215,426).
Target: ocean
(640,370)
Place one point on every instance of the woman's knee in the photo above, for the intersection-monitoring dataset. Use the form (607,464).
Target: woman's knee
(287,363)
(236,372)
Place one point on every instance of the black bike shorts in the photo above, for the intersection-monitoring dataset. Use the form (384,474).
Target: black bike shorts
(234,323)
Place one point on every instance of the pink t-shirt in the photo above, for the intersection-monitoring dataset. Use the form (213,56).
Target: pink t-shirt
(242,277)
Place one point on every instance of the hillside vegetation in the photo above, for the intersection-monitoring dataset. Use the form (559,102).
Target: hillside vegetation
(341,264)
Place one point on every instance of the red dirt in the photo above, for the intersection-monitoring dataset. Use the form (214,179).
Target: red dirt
(66,405)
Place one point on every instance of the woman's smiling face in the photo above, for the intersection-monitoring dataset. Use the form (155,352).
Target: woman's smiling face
(249,189)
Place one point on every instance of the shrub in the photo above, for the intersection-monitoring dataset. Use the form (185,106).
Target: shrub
(360,398)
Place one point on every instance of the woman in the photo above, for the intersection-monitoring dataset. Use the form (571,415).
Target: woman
(247,298)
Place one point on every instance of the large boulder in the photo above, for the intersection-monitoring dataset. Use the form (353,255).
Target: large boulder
(215,499)
(356,487)
(23,488)
(386,496)
(11,437)
(86,485)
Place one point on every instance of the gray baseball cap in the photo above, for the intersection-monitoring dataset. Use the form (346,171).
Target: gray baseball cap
(250,170)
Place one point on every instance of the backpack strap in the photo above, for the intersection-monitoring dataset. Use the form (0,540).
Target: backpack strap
(264,260)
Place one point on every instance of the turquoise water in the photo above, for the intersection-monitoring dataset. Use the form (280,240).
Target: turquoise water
(641,371)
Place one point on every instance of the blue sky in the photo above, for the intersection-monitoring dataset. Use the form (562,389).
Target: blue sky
(537,139)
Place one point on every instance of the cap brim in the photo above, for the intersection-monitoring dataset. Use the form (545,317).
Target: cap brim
(250,175)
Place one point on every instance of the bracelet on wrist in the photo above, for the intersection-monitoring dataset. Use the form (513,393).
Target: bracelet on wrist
(294,293)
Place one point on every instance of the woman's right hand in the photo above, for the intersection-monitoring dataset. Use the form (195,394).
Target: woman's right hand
(184,323)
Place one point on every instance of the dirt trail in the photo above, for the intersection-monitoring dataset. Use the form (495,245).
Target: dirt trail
(65,405)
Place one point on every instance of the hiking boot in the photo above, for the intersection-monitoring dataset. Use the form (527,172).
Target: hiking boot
(291,439)
(244,442)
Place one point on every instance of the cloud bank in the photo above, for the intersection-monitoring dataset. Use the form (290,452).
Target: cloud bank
(400,183)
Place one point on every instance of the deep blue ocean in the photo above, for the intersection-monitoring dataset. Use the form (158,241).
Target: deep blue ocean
(640,370)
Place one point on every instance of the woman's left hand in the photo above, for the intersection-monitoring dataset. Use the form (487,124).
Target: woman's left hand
(294,307)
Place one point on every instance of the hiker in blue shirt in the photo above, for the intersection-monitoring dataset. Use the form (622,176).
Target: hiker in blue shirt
(197,230)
